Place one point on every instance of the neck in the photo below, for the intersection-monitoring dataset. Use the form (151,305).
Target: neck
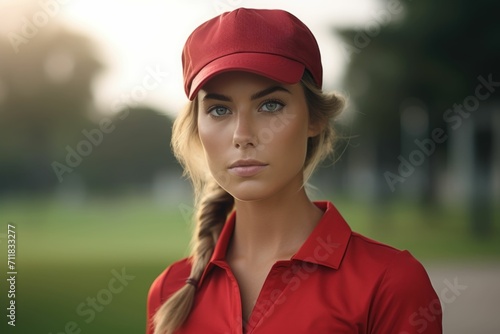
(272,229)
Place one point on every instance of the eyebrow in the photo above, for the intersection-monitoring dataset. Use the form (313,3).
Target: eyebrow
(258,95)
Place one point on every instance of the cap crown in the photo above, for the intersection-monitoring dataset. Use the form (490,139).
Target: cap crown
(259,31)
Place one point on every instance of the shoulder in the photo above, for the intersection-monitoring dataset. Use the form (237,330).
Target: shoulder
(168,282)
(402,293)
(375,256)
(387,263)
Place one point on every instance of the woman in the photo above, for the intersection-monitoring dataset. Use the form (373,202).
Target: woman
(265,258)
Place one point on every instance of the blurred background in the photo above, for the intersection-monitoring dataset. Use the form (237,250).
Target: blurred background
(88,93)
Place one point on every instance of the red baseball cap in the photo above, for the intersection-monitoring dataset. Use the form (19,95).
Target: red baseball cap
(272,43)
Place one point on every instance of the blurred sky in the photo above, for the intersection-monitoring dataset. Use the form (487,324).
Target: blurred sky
(133,35)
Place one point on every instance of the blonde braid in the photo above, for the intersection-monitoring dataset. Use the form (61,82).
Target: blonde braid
(212,214)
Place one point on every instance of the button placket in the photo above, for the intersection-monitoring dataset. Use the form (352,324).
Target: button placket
(236,324)
(273,288)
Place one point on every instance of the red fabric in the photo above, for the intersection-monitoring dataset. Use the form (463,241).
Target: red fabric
(272,43)
(337,282)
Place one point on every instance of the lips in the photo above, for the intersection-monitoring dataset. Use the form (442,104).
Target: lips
(247,168)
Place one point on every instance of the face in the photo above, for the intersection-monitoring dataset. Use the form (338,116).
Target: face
(254,133)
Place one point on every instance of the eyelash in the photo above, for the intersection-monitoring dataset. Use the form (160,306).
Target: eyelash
(276,101)
(209,111)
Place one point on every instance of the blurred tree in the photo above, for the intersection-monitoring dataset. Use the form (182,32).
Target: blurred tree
(45,97)
(48,138)
(136,150)
(428,58)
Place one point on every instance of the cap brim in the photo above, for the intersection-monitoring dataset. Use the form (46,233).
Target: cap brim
(274,67)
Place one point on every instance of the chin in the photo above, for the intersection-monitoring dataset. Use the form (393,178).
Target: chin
(249,191)
(252,191)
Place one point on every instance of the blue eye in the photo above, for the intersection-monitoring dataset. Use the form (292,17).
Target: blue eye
(272,106)
(218,111)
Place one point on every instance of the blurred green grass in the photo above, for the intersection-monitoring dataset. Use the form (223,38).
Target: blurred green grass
(66,252)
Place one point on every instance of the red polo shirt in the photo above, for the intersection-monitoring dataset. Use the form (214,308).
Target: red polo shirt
(337,282)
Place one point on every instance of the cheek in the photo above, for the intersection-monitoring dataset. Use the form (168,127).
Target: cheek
(207,140)
(292,139)
(213,138)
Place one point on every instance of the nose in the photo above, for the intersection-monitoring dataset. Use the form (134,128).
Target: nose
(244,133)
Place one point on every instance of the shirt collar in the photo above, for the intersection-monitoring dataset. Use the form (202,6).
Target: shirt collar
(326,245)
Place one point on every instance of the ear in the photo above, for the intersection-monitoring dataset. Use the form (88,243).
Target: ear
(314,129)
